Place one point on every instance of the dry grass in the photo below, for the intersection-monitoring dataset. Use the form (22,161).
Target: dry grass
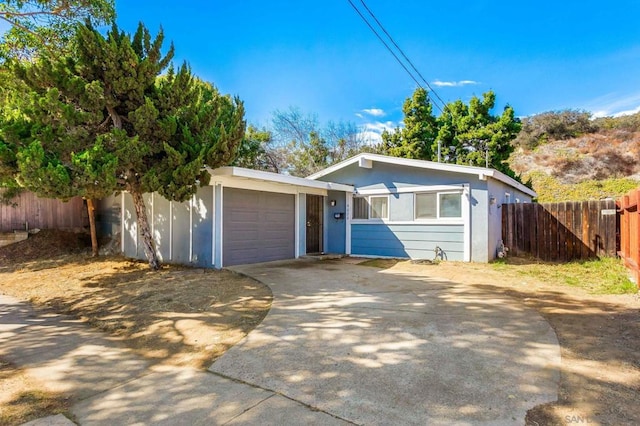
(176,316)
(592,166)
(22,399)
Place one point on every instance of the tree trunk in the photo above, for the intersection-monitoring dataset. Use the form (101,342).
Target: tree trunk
(145,231)
(92,226)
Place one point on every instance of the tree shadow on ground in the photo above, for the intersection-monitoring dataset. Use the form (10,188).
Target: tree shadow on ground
(600,343)
(178,315)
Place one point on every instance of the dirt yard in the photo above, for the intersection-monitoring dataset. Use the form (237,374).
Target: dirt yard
(184,316)
(599,337)
(179,316)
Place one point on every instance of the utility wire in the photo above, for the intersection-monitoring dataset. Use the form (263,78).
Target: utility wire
(384,43)
(402,52)
(395,55)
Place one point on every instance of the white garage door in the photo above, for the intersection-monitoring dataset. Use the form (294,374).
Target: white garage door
(257,226)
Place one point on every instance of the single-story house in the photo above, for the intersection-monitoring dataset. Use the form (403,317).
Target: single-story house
(369,205)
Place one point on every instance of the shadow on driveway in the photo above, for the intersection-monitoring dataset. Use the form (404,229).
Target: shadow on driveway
(378,347)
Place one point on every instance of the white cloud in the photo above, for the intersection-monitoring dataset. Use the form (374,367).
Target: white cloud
(371,132)
(613,105)
(374,112)
(439,83)
(380,126)
(627,112)
(370,138)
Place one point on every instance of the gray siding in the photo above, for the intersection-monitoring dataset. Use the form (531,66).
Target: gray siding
(202,217)
(130,237)
(161,225)
(479,224)
(170,224)
(181,232)
(414,241)
(503,194)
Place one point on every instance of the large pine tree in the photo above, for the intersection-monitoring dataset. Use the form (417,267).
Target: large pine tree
(416,138)
(115,115)
(467,134)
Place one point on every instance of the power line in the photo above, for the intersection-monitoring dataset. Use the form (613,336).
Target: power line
(384,43)
(395,55)
(402,52)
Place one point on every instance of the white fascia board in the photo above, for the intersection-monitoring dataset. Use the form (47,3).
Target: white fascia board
(411,189)
(239,172)
(481,172)
(513,183)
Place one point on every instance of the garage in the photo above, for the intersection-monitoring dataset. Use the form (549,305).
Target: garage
(257,226)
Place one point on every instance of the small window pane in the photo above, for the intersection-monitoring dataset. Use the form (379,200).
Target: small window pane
(379,207)
(450,205)
(426,206)
(360,208)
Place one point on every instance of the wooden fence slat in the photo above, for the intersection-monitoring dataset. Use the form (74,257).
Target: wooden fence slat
(630,232)
(562,231)
(28,210)
(554,237)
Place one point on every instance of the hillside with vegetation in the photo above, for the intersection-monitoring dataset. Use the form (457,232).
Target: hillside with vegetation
(568,156)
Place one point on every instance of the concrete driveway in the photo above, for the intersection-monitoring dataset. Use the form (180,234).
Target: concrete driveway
(376,347)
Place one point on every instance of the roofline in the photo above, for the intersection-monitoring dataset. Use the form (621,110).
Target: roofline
(482,172)
(240,172)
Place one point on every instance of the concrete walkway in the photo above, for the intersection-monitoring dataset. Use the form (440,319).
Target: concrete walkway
(111,385)
(342,344)
(377,347)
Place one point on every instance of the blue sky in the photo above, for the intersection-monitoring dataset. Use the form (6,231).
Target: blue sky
(321,57)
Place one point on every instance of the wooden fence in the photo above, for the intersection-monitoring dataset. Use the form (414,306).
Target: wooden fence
(560,231)
(630,232)
(28,211)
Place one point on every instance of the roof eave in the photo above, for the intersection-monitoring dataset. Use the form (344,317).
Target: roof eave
(481,172)
(239,172)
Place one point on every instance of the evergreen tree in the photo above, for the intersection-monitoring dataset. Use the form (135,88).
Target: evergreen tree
(468,134)
(105,118)
(39,25)
(471,135)
(417,137)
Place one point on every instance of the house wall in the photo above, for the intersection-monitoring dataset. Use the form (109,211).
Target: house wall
(413,241)
(335,229)
(182,232)
(191,232)
(202,227)
(402,236)
(503,194)
(301,248)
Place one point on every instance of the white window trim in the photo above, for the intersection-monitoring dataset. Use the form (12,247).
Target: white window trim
(438,218)
(444,221)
